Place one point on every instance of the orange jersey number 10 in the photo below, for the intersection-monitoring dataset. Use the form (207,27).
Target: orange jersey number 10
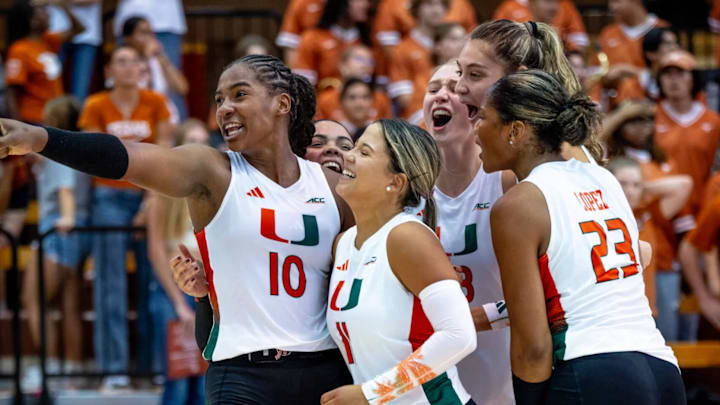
(601,250)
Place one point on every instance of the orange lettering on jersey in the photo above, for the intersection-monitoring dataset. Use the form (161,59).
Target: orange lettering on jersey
(592,200)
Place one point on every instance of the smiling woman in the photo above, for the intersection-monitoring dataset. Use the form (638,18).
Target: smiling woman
(265,221)
(330,142)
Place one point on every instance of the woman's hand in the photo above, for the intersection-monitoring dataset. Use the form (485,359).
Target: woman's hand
(345,395)
(20,139)
(189,274)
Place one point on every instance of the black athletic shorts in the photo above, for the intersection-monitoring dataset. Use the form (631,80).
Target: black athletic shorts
(618,378)
(299,378)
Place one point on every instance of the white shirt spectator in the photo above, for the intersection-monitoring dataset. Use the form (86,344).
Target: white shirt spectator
(163,15)
(88,14)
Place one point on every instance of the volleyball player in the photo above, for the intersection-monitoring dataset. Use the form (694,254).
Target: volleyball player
(464,195)
(265,222)
(396,309)
(567,245)
(497,48)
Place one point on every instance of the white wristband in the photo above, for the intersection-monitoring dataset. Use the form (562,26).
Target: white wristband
(496,313)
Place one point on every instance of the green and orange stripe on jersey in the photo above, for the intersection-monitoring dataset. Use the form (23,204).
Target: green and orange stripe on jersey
(554,309)
(209,274)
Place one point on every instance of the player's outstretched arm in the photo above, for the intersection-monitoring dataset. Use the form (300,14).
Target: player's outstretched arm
(178,172)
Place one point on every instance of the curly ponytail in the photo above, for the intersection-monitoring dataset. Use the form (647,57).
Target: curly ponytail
(278,78)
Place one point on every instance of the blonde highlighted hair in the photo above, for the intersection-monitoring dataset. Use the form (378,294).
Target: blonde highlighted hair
(414,153)
(533,45)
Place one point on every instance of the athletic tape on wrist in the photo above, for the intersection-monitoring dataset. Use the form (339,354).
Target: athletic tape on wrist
(496,313)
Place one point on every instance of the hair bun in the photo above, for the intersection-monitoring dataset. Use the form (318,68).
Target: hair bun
(577,119)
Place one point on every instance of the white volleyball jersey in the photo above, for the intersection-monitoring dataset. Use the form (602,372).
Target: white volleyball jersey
(464,230)
(267,254)
(591,272)
(376,322)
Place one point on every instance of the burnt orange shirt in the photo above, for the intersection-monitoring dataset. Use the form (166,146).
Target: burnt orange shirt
(690,142)
(34,67)
(712,189)
(567,22)
(101,114)
(625,45)
(320,52)
(410,70)
(665,251)
(393,20)
(300,16)
(705,235)
(328,106)
(648,233)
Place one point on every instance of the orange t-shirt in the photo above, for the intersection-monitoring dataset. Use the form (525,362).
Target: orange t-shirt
(328,106)
(705,235)
(714,23)
(34,66)
(624,45)
(101,114)
(712,189)
(567,22)
(665,249)
(410,70)
(320,52)
(393,20)
(690,142)
(300,16)
(648,233)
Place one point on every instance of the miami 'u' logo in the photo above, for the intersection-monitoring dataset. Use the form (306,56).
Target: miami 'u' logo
(470,240)
(267,229)
(354,295)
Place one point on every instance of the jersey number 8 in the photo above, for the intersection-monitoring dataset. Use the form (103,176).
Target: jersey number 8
(601,250)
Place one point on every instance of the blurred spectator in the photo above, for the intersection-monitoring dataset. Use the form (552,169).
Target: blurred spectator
(300,16)
(702,243)
(343,23)
(622,40)
(357,62)
(654,203)
(167,20)
(168,226)
(448,42)
(329,144)
(82,49)
(64,202)
(714,23)
(165,78)
(561,14)
(356,102)
(133,115)
(395,20)
(33,71)
(253,44)
(411,62)
(639,83)
(686,130)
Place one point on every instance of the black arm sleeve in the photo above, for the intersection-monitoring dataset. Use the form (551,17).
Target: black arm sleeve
(203,322)
(529,393)
(98,154)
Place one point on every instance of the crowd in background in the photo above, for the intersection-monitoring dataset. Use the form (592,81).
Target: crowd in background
(368,60)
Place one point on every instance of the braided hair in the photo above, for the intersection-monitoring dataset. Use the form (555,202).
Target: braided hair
(272,73)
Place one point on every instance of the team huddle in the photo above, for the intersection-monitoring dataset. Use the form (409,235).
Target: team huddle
(486,260)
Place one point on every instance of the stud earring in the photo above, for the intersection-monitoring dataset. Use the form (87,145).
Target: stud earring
(511,142)
(387,188)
